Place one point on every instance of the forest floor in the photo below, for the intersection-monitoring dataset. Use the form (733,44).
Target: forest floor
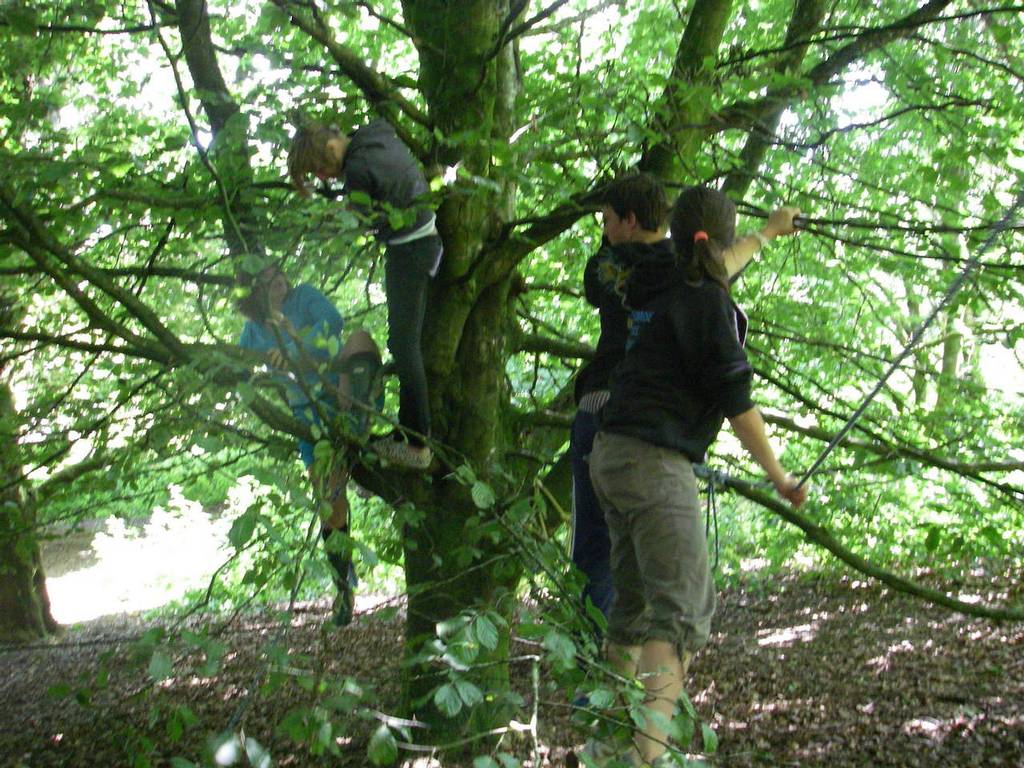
(806,671)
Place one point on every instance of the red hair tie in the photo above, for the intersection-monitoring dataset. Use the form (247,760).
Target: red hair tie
(699,235)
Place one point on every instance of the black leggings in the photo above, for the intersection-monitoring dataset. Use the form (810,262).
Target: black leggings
(407,270)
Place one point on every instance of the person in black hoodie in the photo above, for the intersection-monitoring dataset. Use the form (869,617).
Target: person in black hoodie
(386,186)
(634,213)
(684,372)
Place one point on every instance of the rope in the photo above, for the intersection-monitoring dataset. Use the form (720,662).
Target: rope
(711,514)
(954,287)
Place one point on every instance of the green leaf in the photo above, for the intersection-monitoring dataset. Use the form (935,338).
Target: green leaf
(246,392)
(360,198)
(469,693)
(450,627)
(22,18)
(383,748)
(214,653)
(465,474)
(508,761)
(160,666)
(933,538)
(994,537)
(447,700)
(482,494)
(367,555)
(485,761)
(181,762)
(386,614)
(59,691)
(710,738)
(486,633)
(531,631)
(242,529)
(561,649)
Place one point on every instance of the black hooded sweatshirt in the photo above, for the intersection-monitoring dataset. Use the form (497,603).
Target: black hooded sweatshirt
(604,285)
(685,369)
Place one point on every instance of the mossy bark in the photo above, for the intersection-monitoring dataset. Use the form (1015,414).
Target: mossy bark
(24,603)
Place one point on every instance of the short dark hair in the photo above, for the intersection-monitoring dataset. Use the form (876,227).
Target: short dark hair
(640,194)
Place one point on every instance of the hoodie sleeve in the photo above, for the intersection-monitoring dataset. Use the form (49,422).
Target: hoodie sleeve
(254,339)
(727,375)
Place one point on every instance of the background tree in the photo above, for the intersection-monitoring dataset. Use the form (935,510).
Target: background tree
(144,148)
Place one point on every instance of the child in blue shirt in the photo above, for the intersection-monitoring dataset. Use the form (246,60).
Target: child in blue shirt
(293,327)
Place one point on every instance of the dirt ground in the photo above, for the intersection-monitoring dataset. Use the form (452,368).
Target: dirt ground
(806,672)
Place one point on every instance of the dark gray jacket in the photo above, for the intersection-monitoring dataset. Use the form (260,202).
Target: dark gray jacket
(379,165)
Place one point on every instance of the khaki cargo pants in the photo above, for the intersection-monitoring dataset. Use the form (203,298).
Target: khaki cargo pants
(659,558)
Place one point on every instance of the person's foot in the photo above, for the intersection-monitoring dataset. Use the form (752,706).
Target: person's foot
(344,605)
(402,454)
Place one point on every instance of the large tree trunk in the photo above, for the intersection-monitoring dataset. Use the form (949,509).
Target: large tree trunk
(952,345)
(24,604)
(469,84)
(469,322)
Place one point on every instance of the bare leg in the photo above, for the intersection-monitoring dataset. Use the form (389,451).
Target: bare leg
(333,492)
(624,659)
(662,672)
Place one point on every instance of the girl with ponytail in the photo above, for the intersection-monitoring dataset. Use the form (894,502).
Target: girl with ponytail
(703,226)
(684,373)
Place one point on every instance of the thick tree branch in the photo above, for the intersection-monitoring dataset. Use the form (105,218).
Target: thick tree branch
(375,88)
(230,135)
(153,200)
(38,239)
(571,21)
(744,113)
(67,342)
(176,273)
(194,25)
(532,342)
(816,534)
(806,18)
(92,311)
(678,111)
(543,418)
(512,248)
(509,33)
(972,470)
(853,32)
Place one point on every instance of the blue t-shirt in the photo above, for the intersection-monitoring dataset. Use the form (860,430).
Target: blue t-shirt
(315,321)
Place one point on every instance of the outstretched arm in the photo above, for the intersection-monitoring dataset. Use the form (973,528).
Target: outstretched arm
(739,254)
(749,428)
